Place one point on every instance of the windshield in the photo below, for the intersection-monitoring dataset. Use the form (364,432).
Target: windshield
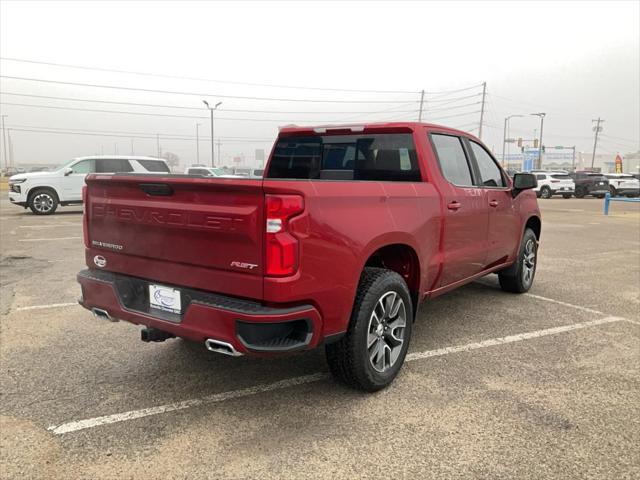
(216,171)
(63,165)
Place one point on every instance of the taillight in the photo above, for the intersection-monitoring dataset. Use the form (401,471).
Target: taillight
(281,251)
(85,216)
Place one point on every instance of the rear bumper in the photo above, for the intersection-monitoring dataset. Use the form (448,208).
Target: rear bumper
(248,326)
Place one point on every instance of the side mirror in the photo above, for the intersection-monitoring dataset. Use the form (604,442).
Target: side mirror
(68,171)
(523,181)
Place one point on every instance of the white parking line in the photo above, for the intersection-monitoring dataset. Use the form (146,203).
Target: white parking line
(54,225)
(558,302)
(42,307)
(245,392)
(48,239)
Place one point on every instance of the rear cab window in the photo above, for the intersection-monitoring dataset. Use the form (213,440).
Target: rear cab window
(373,157)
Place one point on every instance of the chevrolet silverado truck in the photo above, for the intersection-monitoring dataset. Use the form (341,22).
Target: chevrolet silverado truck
(351,228)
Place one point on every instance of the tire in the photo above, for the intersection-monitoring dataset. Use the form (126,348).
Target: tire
(580,193)
(43,201)
(612,191)
(355,359)
(545,192)
(566,195)
(519,277)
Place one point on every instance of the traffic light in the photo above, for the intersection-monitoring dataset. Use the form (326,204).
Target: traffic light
(535,143)
(520,142)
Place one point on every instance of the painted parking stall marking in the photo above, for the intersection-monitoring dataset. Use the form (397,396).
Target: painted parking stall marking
(221,397)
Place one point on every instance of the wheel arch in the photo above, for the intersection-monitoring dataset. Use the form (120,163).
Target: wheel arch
(403,259)
(51,188)
(535,224)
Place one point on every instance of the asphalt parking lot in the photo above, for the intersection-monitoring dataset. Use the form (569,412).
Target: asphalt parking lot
(542,385)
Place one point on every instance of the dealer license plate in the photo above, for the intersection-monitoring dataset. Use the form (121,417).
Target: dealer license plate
(165,298)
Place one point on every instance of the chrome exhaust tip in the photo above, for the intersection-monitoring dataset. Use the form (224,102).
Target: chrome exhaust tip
(219,346)
(102,314)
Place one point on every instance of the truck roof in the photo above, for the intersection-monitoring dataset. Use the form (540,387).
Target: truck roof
(371,127)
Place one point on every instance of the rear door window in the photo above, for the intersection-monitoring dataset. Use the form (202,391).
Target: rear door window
(452,159)
(375,157)
(561,176)
(154,166)
(113,165)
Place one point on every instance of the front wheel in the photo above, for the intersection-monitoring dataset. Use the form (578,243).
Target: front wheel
(43,201)
(545,192)
(580,192)
(373,350)
(518,278)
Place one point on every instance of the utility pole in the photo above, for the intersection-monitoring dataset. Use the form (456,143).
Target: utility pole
(211,109)
(158,144)
(484,96)
(596,129)
(541,115)
(573,158)
(198,144)
(421,105)
(219,157)
(4,143)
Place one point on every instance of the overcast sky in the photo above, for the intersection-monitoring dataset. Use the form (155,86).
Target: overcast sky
(575,61)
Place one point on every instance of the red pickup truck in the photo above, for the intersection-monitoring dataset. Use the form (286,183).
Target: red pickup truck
(350,229)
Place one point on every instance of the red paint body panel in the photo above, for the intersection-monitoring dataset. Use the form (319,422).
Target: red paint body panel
(192,237)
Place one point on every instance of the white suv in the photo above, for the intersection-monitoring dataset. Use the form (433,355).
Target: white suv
(42,192)
(554,183)
(623,184)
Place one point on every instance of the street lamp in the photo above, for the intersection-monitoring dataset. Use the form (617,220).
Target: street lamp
(211,109)
(541,115)
(197,145)
(504,137)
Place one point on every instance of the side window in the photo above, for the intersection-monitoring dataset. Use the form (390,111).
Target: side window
(84,166)
(490,175)
(113,165)
(540,177)
(452,159)
(154,166)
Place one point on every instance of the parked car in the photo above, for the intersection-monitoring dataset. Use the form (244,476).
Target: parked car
(590,183)
(623,184)
(554,183)
(248,172)
(207,171)
(412,211)
(42,192)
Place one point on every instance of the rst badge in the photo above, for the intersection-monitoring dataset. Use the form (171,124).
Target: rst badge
(244,265)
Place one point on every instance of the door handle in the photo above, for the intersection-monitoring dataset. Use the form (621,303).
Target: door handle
(493,203)
(454,206)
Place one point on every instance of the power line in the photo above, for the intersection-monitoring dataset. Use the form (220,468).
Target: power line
(198,94)
(125,136)
(128,133)
(199,79)
(75,99)
(54,107)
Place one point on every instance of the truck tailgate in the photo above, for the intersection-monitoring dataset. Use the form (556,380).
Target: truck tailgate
(197,232)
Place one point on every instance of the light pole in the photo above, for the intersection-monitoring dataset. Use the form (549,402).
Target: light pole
(4,143)
(197,145)
(504,137)
(541,115)
(211,109)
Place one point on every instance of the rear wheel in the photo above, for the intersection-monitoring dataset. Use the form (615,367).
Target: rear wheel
(373,350)
(43,201)
(545,192)
(580,192)
(518,278)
